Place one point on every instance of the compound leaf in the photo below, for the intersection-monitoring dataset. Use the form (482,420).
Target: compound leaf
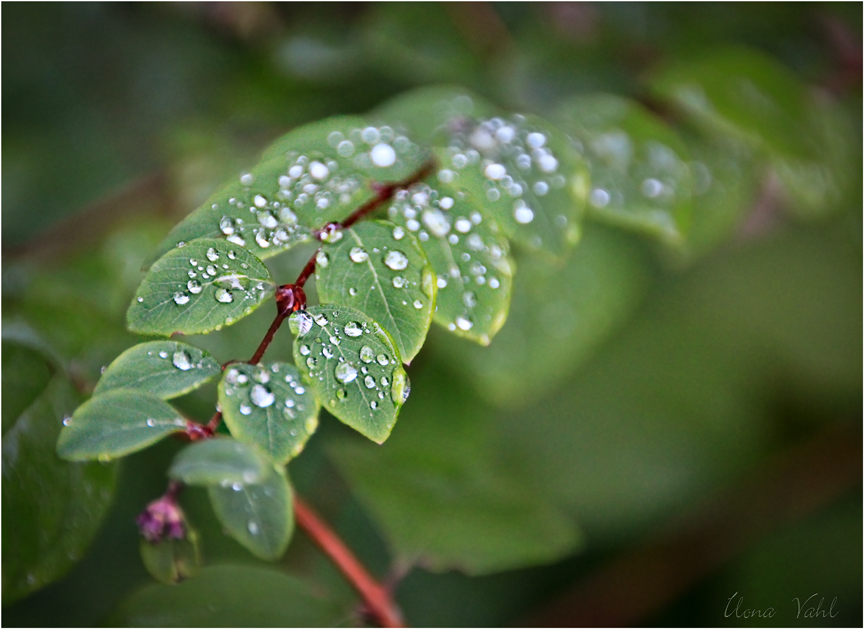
(353,366)
(198,288)
(268,406)
(260,516)
(164,368)
(117,423)
(220,461)
(640,178)
(380,270)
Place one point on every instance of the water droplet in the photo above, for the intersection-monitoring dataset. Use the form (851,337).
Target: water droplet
(493,283)
(321,320)
(247,179)
(418,304)
(300,323)
(369,381)
(181,298)
(541,188)
(319,171)
(341,394)
(495,171)
(194,286)
(373,405)
(382,360)
(463,225)
(67,421)
(226,225)
(383,155)
(599,197)
(322,259)
(398,233)
(464,323)
(396,260)
(261,396)
(358,254)
(522,213)
(304,350)
(345,148)
(245,409)
(224,296)
(401,387)
(367,355)
(253,527)
(385,381)
(352,329)
(182,361)
(328,353)
(212,255)
(300,391)
(437,222)
(346,372)
(140,300)
(399,282)
(151,422)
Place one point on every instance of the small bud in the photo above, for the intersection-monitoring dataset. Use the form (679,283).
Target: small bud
(162,519)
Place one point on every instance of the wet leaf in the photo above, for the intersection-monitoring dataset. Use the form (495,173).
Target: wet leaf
(315,174)
(467,252)
(117,423)
(164,368)
(260,516)
(639,173)
(220,461)
(57,506)
(269,406)
(230,596)
(353,366)
(199,288)
(387,278)
(172,560)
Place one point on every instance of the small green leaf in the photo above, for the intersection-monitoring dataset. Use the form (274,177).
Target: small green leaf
(172,560)
(640,178)
(353,366)
(53,508)
(316,174)
(117,423)
(384,274)
(164,368)
(466,251)
(199,288)
(220,461)
(430,114)
(260,516)
(236,596)
(268,405)
(534,183)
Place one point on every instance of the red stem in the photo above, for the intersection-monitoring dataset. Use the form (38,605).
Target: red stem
(376,596)
(265,342)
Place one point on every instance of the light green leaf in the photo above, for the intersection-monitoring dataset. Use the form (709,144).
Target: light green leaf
(220,461)
(54,508)
(441,498)
(534,184)
(172,560)
(466,251)
(260,516)
(268,406)
(640,178)
(198,288)
(430,114)
(315,174)
(164,368)
(353,366)
(236,596)
(558,316)
(117,423)
(384,274)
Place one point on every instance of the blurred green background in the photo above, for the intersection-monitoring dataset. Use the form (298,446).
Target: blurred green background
(651,434)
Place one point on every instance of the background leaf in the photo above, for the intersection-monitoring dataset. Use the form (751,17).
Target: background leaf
(268,406)
(352,365)
(57,506)
(171,560)
(199,288)
(258,515)
(219,461)
(381,271)
(164,368)
(117,423)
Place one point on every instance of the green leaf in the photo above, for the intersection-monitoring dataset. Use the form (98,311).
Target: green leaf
(198,288)
(384,274)
(117,423)
(558,316)
(315,174)
(534,183)
(25,375)
(268,406)
(164,368)
(172,560)
(640,178)
(54,507)
(430,114)
(260,516)
(467,253)
(220,461)
(352,365)
(236,596)
(441,498)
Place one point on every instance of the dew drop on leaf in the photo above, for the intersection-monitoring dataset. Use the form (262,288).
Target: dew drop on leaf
(181,299)
(346,372)
(396,260)
(369,381)
(224,296)
(351,329)
(261,396)
(358,254)
(383,155)
(367,355)
(300,323)
(382,360)
(182,361)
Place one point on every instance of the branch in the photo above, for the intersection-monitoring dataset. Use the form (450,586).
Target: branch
(377,598)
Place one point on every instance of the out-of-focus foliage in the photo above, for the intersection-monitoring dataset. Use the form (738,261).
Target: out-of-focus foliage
(628,382)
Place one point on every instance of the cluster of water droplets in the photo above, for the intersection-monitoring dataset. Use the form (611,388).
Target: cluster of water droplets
(473,257)
(181,359)
(352,355)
